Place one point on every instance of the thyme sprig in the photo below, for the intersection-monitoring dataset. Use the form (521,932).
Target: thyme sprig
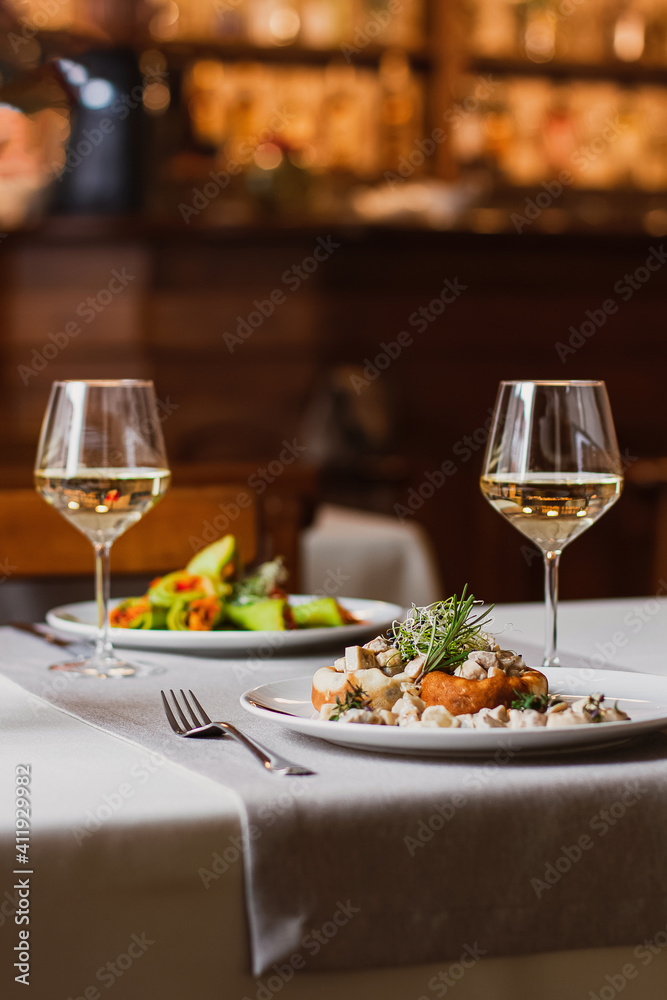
(444,632)
(355,697)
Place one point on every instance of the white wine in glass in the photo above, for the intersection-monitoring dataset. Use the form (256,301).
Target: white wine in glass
(552,468)
(101,463)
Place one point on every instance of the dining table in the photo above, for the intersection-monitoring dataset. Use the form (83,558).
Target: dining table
(150,865)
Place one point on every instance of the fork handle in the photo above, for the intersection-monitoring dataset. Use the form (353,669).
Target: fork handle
(271,761)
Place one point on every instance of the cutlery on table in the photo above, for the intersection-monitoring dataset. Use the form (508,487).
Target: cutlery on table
(268,708)
(202,726)
(42,633)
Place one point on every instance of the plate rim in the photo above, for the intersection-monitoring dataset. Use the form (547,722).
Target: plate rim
(227,639)
(434,741)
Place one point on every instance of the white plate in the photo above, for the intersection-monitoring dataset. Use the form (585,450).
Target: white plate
(642,696)
(79,621)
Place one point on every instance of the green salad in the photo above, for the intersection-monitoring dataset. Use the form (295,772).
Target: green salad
(215,592)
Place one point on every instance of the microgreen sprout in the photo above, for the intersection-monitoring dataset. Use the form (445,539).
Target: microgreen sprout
(445,633)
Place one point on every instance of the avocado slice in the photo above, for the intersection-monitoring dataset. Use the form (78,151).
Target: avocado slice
(258,616)
(322,613)
(220,561)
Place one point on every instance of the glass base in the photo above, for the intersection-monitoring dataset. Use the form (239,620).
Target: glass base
(551,661)
(106,668)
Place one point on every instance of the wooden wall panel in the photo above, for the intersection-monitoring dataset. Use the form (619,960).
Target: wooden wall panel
(522,295)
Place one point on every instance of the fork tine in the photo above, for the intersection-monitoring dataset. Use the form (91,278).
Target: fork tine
(193,715)
(203,713)
(170,715)
(179,710)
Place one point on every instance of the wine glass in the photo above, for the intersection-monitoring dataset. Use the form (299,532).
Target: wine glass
(101,463)
(552,468)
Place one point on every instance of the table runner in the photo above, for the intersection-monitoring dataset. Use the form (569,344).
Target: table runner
(380,859)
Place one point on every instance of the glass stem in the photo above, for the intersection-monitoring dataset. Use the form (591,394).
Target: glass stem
(551,560)
(103,647)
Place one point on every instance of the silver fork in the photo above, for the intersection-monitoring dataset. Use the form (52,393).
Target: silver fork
(202,726)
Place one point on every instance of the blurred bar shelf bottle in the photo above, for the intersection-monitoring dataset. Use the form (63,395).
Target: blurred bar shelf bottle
(203,149)
(444,114)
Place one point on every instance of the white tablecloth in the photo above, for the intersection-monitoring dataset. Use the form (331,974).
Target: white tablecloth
(127,908)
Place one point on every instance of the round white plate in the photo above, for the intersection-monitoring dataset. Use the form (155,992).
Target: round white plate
(642,696)
(79,621)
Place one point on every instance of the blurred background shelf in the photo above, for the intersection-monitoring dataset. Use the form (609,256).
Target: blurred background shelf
(182,54)
(203,149)
(363,110)
(364,436)
(561,70)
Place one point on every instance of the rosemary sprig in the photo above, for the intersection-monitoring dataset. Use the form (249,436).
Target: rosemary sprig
(445,632)
(355,697)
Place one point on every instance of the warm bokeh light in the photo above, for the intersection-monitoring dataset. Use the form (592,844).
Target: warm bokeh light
(284,24)
(153,61)
(31,155)
(164,24)
(268,156)
(156,98)
(629,36)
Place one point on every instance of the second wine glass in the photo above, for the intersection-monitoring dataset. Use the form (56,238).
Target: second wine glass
(552,468)
(101,463)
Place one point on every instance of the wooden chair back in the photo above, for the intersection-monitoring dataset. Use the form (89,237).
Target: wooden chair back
(35,541)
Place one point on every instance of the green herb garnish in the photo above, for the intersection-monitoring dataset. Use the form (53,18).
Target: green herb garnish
(355,697)
(266,578)
(592,708)
(538,702)
(445,633)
